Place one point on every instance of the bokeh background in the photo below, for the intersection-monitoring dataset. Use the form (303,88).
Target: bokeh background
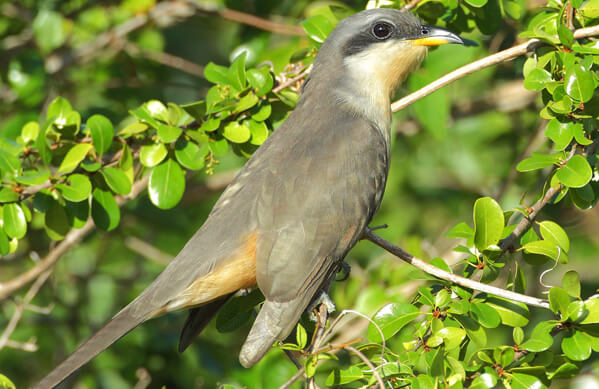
(449,149)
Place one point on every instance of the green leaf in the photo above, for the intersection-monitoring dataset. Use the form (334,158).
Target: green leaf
(190,155)
(74,157)
(133,129)
(56,221)
(477,3)
(210,125)
(117,180)
(7,195)
(301,336)
(485,315)
(561,133)
(518,335)
(246,102)
(48,30)
(592,305)
(15,223)
(559,300)
(542,247)
(512,314)
(236,132)
(216,74)
(537,79)
(236,73)
(575,173)
(473,329)
(538,161)
(565,370)
(525,381)
(219,147)
(577,345)
(262,113)
(488,222)
(152,155)
(167,184)
(318,27)
(168,134)
(461,230)
(261,80)
(552,232)
(390,319)
(565,35)
(540,338)
(30,131)
(105,210)
(77,213)
(340,377)
(5,383)
(101,131)
(571,283)
(258,130)
(579,83)
(33,177)
(77,188)
(9,163)
(452,336)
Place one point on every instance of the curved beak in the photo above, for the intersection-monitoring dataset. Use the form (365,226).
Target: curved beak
(435,36)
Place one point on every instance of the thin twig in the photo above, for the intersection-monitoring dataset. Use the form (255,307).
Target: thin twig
(526,222)
(18,313)
(453,278)
(370,365)
(292,81)
(293,378)
(166,59)
(411,4)
(260,23)
(494,59)
(71,239)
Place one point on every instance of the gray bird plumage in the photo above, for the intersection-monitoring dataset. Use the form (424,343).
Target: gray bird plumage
(299,204)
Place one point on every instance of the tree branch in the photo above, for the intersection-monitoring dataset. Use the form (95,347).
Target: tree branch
(453,278)
(72,238)
(18,313)
(368,363)
(494,59)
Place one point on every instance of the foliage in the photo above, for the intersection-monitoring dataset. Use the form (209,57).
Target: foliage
(90,151)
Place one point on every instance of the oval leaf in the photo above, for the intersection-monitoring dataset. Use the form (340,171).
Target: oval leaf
(15,223)
(117,180)
(488,222)
(74,157)
(77,188)
(152,155)
(576,173)
(105,210)
(167,184)
(390,319)
(101,131)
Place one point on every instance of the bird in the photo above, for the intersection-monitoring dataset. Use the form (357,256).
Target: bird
(301,202)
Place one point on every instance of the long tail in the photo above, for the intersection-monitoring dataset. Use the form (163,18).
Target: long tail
(120,325)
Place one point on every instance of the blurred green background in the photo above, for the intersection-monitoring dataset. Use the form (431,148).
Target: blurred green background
(450,148)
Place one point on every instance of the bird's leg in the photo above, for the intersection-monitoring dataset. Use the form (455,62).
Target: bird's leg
(344,268)
(324,299)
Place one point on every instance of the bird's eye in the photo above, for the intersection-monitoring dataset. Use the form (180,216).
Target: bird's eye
(382,30)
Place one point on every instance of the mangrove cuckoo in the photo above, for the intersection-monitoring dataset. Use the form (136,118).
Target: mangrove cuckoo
(302,201)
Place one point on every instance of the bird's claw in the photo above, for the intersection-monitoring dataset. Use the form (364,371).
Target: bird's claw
(323,298)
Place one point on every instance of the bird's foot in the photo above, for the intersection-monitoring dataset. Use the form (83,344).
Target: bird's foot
(323,298)
(344,268)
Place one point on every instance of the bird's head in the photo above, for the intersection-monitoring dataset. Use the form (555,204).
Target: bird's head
(368,54)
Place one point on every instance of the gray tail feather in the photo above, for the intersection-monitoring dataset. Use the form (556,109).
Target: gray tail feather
(274,322)
(198,319)
(120,325)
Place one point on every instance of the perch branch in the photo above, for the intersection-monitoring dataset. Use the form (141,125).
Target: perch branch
(453,278)
(494,59)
